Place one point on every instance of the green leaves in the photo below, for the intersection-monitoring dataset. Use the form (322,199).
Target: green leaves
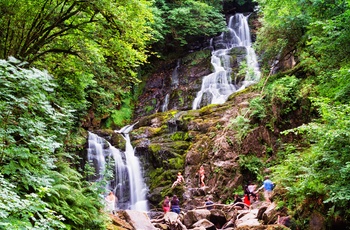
(191,18)
(323,169)
(316,34)
(33,127)
(241,126)
(80,43)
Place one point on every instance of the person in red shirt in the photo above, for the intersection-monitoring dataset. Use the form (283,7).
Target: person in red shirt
(246,199)
(166,204)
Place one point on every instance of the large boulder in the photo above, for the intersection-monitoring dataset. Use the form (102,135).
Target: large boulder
(248,219)
(171,217)
(193,216)
(205,224)
(139,220)
(270,215)
(217,217)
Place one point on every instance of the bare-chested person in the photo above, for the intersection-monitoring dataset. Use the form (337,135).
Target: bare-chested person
(180,179)
(201,173)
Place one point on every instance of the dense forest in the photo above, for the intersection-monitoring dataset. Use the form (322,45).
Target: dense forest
(71,66)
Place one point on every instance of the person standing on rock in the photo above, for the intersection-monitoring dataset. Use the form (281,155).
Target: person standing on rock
(166,204)
(246,200)
(111,200)
(175,205)
(251,188)
(268,187)
(201,173)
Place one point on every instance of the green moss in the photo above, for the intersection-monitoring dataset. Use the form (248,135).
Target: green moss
(241,92)
(196,58)
(161,177)
(180,136)
(155,147)
(177,162)
(207,109)
(180,146)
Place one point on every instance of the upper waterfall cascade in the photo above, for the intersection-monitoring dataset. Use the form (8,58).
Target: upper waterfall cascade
(217,86)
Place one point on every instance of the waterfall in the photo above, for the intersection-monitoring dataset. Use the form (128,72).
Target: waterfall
(175,75)
(174,85)
(218,86)
(127,181)
(166,103)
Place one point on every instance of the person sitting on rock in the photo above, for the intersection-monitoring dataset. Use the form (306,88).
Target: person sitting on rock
(209,203)
(238,202)
(180,179)
(246,200)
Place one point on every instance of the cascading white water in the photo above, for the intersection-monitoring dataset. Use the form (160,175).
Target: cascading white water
(138,188)
(218,86)
(127,183)
(175,75)
(166,103)
(174,85)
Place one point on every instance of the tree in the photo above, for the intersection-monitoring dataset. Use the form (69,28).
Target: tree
(39,189)
(313,173)
(81,43)
(188,20)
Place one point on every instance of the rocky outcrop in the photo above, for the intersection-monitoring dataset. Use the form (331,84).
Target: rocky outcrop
(194,216)
(175,141)
(207,220)
(130,220)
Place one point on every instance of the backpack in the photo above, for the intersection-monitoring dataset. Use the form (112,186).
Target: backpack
(246,190)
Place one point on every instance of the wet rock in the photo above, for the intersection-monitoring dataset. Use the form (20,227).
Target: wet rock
(270,214)
(247,218)
(217,217)
(205,224)
(139,220)
(193,216)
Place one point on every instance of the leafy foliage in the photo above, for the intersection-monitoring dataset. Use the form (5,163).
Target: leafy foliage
(322,170)
(186,19)
(313,173)
(241,125)
(35,181)
(251,167)
(81,43)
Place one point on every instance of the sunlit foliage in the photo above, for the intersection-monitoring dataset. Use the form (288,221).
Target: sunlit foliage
(39,190)
(314,171)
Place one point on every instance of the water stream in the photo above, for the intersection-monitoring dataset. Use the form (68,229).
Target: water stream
(218,86)
(127,181)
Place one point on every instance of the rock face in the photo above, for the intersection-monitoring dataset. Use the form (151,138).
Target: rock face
(194,216)
(178,81)
(207,220)
(184,140)
(224,139)
(138,220)
(174,85)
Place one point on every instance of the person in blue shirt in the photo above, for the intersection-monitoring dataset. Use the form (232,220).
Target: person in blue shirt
(175,205)
(209,203)
(268,187)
